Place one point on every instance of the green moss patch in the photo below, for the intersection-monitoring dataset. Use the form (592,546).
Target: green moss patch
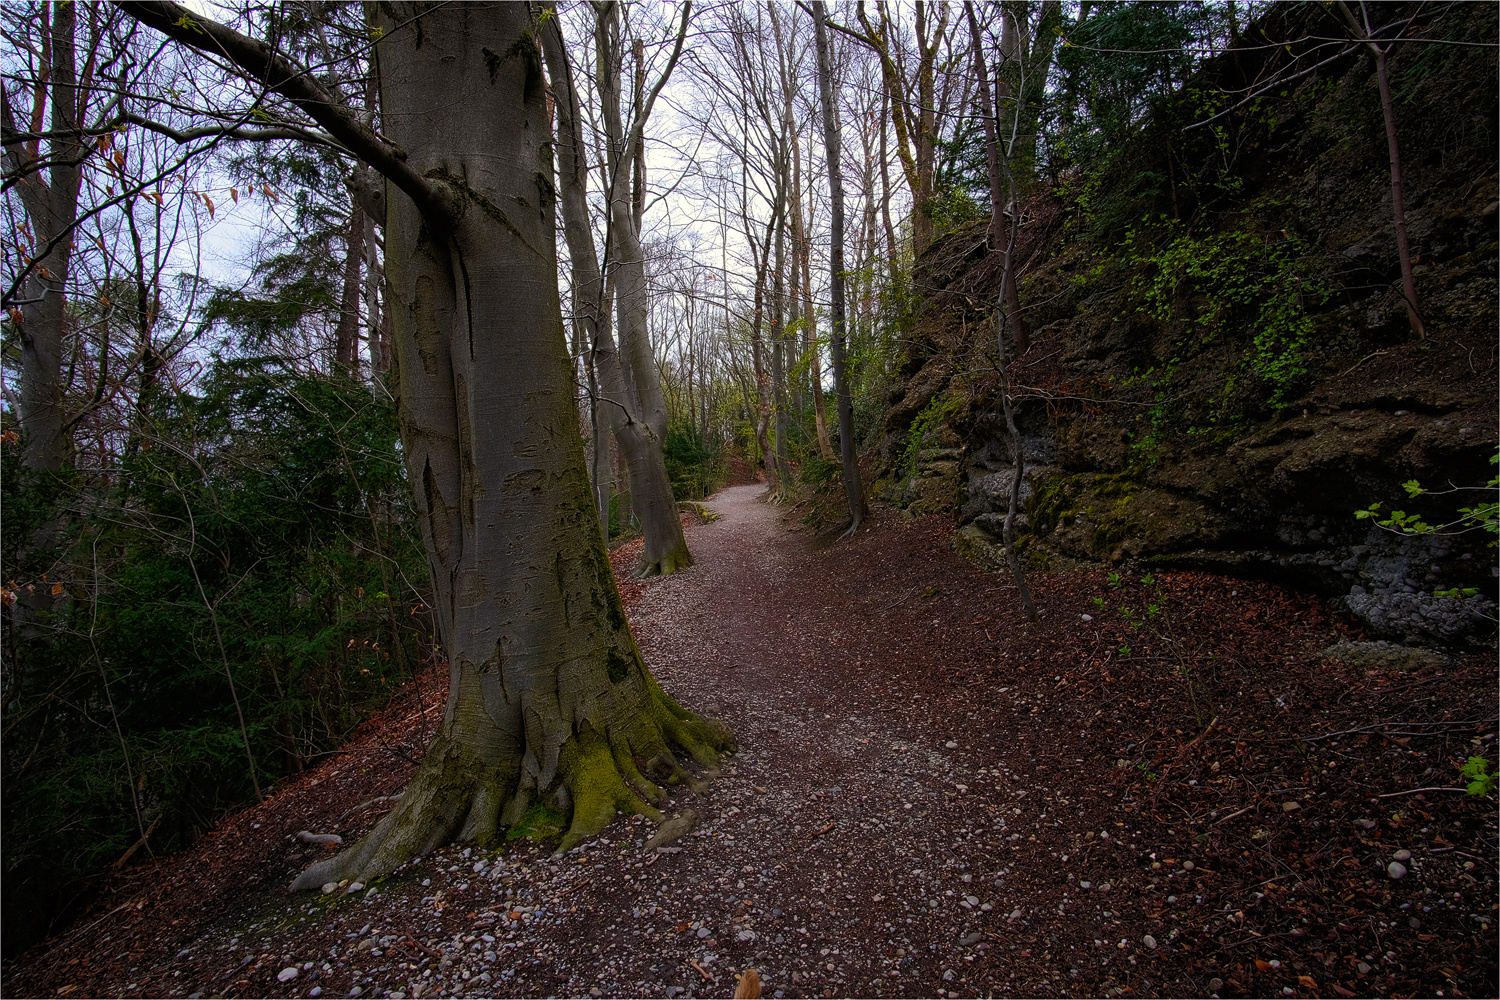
(539,823)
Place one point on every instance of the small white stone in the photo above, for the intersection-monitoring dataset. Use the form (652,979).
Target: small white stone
(329,887)
(1149,941)
(951,745)
(287,975)
(1188,866)
(1290,806)
(1088,618)
(356,886)
(1402,855)
(1396,870)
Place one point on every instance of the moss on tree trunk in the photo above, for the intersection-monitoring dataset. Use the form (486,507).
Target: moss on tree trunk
(549,700)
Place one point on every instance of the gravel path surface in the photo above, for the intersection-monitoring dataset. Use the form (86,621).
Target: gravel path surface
(825,866)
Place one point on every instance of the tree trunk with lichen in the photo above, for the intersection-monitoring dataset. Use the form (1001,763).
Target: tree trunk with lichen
(549,700)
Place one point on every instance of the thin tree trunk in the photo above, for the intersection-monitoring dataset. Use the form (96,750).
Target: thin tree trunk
(852,488)
(590,296)
(52,209)
(1002,189)
(1398,203)
(778,340)
(1010,295)
(802,249)
(346,333)
(885,196)
(758,356)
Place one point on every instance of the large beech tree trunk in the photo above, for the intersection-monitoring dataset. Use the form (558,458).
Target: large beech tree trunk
(549,699)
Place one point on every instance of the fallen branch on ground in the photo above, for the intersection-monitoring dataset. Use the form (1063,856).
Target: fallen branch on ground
(1414,791)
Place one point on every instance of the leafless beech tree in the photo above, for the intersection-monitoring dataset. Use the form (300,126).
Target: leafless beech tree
(550,700)
(632,383)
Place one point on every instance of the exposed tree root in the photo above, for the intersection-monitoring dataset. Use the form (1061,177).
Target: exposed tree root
(678,558)
(473,790)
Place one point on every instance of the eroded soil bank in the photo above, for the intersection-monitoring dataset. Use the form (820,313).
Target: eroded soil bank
(1164,787)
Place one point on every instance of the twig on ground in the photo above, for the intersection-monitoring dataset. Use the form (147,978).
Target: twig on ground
(418,942)
(819,833)
(1212,723)
(1403,687)
(1361,361)
(1414,791)
(707,978)
(900,601)
(579,885)
(1262,937)
(1241,812)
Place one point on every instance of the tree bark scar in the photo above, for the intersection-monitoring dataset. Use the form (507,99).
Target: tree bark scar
(463,269)
(463,195)
(437,512)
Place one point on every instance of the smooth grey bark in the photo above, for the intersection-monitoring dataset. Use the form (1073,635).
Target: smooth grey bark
(641,430)
(590,296)
(1003,192)
(51,206)
(619,410)
(549,699)
(847,457)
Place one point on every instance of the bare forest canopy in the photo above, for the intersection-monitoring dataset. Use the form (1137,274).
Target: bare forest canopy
(341,341)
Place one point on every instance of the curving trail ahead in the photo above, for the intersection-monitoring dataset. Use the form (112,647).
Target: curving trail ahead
(851,837)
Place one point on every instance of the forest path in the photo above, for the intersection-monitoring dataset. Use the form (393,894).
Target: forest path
(842,835)
(932,797)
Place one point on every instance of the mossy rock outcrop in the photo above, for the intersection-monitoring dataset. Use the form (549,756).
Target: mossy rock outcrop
(1168,423)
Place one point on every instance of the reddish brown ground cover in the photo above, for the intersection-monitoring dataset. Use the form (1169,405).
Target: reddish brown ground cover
(1161,788)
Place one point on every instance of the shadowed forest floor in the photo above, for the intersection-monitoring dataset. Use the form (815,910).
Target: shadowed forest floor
(1163,787)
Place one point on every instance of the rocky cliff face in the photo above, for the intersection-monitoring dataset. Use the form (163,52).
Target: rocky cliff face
(1221,371)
